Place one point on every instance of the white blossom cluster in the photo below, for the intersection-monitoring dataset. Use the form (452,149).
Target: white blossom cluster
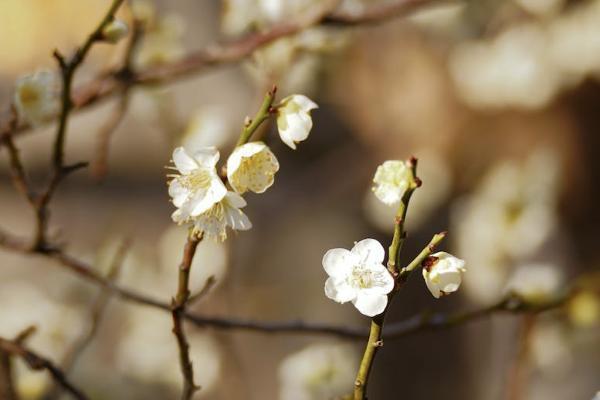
(202,198)
(359,275)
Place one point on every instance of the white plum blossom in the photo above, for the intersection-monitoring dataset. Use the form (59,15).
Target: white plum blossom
(293,119)
(36,97)
(319,371)
(226,213)
(443,273)
(197,187)
(359,276)
(115,31)
(252,166)
(392,178)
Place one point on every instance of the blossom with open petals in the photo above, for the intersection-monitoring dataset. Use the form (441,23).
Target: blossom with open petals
(226,213)
(443,273)
(252,166)
(115,31)
(358,275)
(293,119)
(36,97)
(392,178)
(197,187)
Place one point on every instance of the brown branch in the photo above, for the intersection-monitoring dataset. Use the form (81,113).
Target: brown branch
(178,309)
(7,387)
(68,67)
(97,311)
(110,82)
(39,363)
(100,163)
(418,323)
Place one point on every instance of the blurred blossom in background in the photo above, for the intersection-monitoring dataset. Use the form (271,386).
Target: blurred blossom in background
(500,102)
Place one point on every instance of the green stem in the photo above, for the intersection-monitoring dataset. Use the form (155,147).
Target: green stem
(426,252)
(374,342)
(399,233)
(261,116)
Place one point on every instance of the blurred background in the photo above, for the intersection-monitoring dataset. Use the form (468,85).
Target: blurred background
(499,100)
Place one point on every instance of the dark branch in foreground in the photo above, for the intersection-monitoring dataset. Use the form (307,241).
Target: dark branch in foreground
(418,323)
(39,363)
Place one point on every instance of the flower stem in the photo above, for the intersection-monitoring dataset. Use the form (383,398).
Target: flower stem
(374,342)
(263,113)
(178,311)
(426,252)
(399,233)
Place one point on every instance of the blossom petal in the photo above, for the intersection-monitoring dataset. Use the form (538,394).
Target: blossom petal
(205,200)
(297,129)
(178,193)
(370,251)
(184,163)
(370,304)
(338,290)
(338,262)
(207,157)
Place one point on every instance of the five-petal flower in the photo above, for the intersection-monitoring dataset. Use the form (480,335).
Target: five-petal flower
(197,187)
(252,166)
(359,276)
(443,273)
(293,119)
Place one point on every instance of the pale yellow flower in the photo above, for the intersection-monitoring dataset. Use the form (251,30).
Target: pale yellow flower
(252,166)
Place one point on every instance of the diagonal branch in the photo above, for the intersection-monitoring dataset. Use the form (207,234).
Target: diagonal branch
(39,363)
(422,322)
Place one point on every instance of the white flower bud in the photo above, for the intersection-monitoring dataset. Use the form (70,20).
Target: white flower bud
(392,178)
(443,273)
(293,119)
(115,31)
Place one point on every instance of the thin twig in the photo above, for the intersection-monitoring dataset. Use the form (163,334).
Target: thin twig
(68,67)
(100,163)
(179,304)
(421,322)
(97,310)
(39,363)
(109,82)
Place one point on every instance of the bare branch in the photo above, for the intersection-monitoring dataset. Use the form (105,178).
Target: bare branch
(110,82)
(39,363)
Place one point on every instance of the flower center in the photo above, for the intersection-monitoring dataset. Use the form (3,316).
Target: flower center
(199,179)
(29,95)
(361,277)
(216,212)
